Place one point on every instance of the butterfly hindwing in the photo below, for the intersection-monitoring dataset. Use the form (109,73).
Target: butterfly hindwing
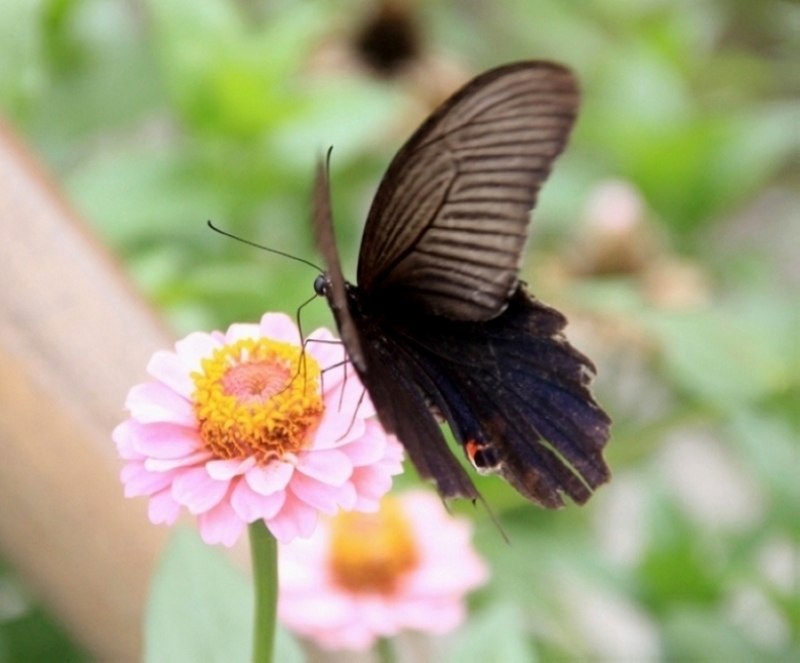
(514,386)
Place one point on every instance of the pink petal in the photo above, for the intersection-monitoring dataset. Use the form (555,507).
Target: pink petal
(349,396)
(295,519)
(370,482)
(169,369)
(225,470)
(356,637)
(303,568)
(240,331)
(130,470)
(330,466)
(337,429)
(123,438)
(390,467)
(335,371)
(366,505)
(444,579)
(166,464)
(138,481)
(425,508)
(163,509)
(318,610)
(379,614)
(220,525)
(328,351)
(269,478)
(317,494)
(166,441)
(155,402)
(367,449)
(394,457)
(433,616)
(251,506)
(346,496)
(196,347)
(392,462)
(197,491)
(428,598)
(279,327)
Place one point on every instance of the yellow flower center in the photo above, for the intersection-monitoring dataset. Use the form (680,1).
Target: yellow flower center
(257,398)
(371,552)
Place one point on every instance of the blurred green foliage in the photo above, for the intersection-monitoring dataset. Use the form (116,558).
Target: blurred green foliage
(158,115)
(201,608)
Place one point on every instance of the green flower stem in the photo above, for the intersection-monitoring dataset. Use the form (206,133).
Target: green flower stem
(264,556)
(386,653)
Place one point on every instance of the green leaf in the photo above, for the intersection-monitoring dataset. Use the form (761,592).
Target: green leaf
(201,608)
(227,77)
(496,635)
(349,114)
(697,635)
(771,449)
(111,192)
(730,355)
(22,73)
(677,571)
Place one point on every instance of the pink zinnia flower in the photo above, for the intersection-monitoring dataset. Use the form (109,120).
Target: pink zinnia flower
(243,426)
(367,576)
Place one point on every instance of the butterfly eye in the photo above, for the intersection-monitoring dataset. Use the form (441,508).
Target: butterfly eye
(320,285)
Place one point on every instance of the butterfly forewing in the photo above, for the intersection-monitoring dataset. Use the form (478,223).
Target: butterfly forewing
(334,284)
(449,222)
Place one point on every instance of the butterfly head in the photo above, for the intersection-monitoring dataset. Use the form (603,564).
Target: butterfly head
(322,285)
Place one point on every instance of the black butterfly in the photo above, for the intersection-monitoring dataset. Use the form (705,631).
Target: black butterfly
(439,324)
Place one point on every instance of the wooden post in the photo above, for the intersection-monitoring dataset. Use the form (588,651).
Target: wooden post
(74,337)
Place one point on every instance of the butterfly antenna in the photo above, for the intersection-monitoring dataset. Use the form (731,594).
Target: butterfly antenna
(262,247)
(494,518)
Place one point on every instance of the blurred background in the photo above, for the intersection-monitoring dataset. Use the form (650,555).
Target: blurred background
(669,233)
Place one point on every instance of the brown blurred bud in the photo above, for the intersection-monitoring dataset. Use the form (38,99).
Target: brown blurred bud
(387,39)
(675,283)
(615,237)
(390,39)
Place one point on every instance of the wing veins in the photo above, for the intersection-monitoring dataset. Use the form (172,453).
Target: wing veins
(480,158)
